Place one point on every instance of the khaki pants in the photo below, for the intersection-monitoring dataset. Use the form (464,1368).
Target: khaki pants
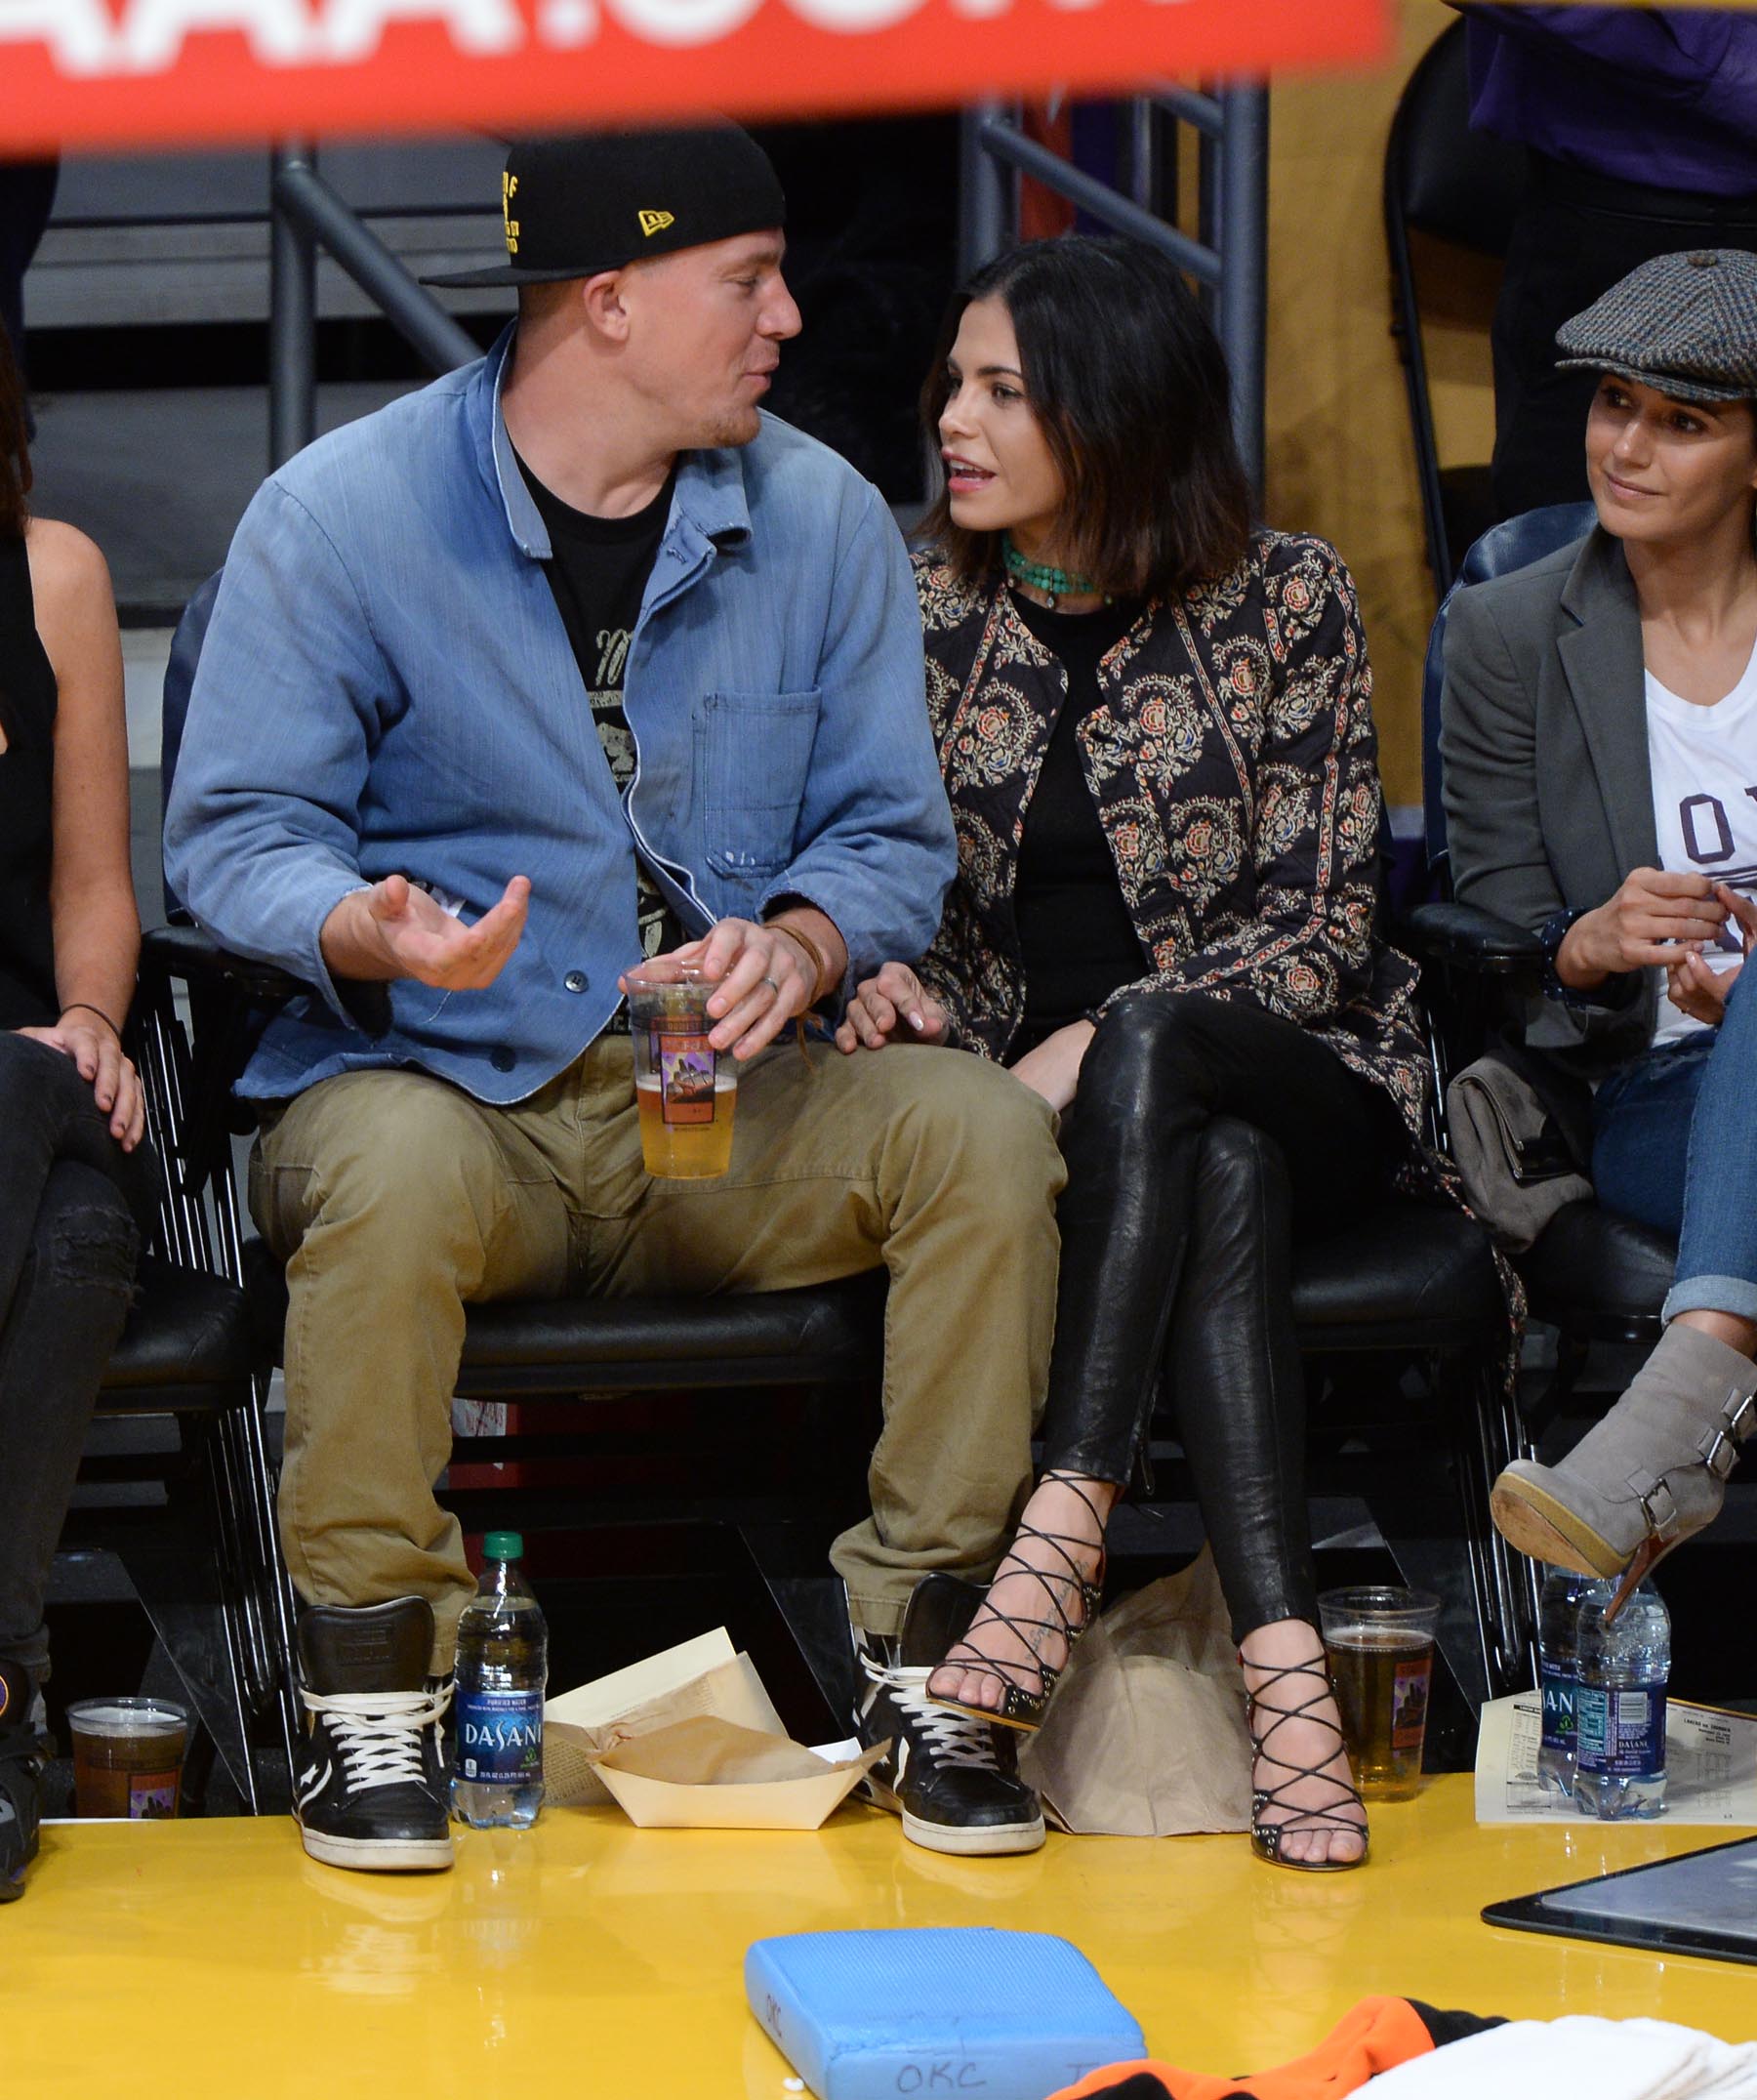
(395,1199)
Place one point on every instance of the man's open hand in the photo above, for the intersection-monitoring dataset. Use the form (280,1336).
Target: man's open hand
(393,929)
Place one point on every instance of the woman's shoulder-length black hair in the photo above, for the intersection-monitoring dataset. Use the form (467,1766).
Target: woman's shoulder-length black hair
(1129,386)
(14,456)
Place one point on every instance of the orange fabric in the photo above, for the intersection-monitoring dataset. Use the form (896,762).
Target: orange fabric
(1376,2035)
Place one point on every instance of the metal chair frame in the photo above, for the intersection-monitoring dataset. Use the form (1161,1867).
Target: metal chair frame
(198,1231)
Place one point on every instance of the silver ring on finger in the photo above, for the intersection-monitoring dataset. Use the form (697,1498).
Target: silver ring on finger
(772,985)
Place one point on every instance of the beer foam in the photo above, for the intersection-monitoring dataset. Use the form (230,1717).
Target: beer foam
(121,1717)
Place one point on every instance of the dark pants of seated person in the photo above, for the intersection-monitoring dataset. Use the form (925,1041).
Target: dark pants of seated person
(1207,1138)
(73,1209)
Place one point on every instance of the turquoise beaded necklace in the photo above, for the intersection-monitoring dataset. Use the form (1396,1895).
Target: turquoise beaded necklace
(1055,584)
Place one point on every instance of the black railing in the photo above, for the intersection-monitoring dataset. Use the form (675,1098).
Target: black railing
(1228,261)
(306,215)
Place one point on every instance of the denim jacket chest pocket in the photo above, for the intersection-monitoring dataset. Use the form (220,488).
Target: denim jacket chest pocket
(752,755)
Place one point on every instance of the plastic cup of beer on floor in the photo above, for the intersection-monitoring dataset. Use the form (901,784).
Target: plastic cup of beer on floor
(128,1757)
(685,1088)
(1380,1641)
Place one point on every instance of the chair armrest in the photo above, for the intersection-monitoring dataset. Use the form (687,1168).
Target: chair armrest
(197,959)
(1471,938)
(230,1001)
(185,952)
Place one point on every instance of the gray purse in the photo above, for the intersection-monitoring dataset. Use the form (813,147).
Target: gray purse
(1512,1159)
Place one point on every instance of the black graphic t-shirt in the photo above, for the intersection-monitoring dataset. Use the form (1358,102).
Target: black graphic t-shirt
(598,574)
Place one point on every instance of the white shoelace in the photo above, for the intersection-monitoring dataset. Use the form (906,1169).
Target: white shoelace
(952,1738)
(379,1733)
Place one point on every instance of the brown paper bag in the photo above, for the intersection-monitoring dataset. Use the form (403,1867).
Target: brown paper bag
(582,1726)
(1146,1735)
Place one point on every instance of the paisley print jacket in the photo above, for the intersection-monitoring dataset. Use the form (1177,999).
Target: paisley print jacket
(1232,758)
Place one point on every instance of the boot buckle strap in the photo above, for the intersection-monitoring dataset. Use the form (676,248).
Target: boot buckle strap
(1720,1454)
(1719,1447)
(1658,1503)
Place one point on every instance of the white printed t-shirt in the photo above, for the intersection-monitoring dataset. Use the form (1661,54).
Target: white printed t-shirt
(1704,766)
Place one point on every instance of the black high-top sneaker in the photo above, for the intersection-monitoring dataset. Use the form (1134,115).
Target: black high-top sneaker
(372,1786)
(950,1777)
(21,1765)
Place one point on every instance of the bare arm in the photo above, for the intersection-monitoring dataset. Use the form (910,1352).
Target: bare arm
(92,900)
(96,924)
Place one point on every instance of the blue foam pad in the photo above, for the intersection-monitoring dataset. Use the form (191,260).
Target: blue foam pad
(871,2015)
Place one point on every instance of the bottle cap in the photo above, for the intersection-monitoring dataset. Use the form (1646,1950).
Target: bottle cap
(502,1545)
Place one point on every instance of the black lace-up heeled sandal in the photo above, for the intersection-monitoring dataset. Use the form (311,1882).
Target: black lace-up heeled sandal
(1021,1705)
(1266,1838)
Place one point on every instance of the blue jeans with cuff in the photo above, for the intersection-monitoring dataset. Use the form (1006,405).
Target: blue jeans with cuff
(1675,1146)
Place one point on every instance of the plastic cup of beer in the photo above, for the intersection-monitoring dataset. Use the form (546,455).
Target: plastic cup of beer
(128,1757)
(1380,1641)
(685,1088)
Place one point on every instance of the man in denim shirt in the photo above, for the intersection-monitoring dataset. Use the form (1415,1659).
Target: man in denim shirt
(572,656)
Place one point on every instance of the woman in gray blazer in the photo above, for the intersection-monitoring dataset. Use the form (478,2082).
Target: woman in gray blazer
(1600,741)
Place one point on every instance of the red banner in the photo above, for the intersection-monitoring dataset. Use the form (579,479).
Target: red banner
(113,72)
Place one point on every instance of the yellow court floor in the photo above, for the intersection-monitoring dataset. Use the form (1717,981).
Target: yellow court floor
(589,1959)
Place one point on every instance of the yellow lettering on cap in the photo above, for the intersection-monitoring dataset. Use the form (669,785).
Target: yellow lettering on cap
(652,222)
(508,191)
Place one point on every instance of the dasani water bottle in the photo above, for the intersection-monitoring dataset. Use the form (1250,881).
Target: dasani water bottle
(1557,1675)
(1620,1710)
(502,1670)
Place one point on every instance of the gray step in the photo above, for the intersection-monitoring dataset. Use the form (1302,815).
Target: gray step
(159,478)
(183,238)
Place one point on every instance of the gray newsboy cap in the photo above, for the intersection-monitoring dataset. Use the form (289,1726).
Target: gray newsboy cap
(1685,323)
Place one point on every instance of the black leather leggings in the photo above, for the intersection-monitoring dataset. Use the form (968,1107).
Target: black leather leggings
(1207,1136)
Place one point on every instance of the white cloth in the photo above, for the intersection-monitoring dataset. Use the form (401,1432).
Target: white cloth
(1605,2059)
(1704,766)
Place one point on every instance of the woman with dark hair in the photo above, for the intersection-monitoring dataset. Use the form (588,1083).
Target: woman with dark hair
(1154,732)
(74,1189)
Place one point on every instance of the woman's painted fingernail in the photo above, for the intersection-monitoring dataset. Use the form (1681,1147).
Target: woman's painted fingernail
(917,1023)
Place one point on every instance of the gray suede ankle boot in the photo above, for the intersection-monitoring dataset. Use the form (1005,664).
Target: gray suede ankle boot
(1647,1476)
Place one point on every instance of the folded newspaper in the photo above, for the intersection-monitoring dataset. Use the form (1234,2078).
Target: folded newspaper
(1710,1765)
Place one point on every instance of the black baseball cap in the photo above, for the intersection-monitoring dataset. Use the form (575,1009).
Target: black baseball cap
(576,205)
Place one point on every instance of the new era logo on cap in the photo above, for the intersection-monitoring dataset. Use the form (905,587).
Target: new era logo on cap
(572,205)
